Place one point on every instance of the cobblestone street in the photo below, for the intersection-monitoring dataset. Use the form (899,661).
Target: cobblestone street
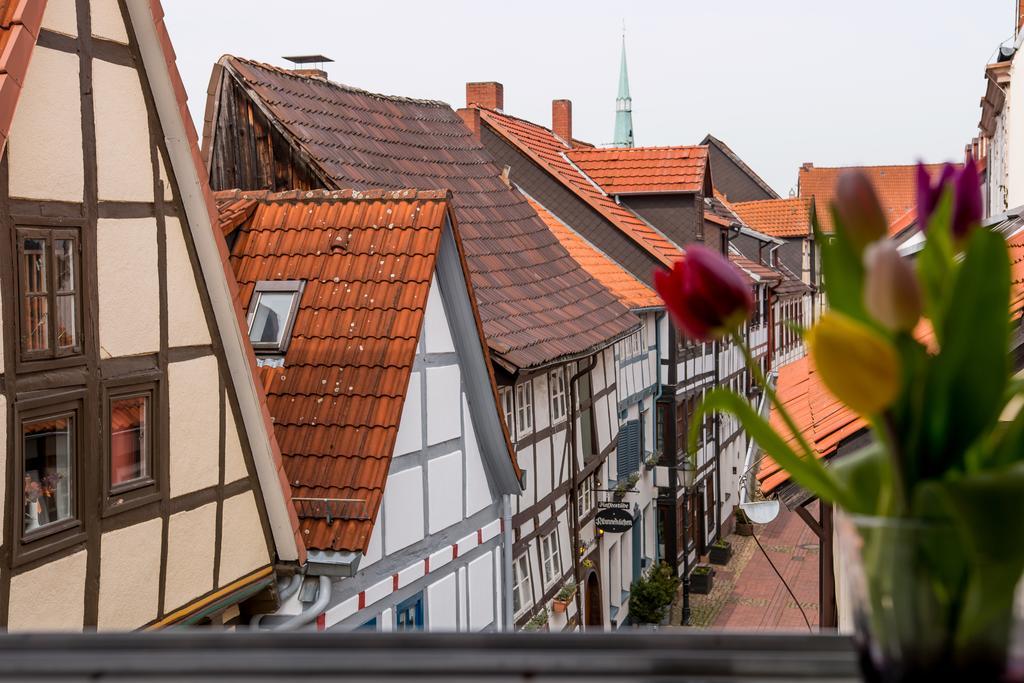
(747,595)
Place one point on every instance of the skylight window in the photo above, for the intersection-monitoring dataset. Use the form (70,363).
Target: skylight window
(272,314)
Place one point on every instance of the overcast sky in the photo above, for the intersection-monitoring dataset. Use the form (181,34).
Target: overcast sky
(782,82)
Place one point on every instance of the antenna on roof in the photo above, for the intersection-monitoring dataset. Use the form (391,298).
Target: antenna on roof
(311,66)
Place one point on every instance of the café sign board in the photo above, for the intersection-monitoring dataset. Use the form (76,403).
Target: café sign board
(613,520)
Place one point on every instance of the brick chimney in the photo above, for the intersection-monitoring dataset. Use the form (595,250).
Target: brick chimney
(561,119)
(488,94)
(471,117)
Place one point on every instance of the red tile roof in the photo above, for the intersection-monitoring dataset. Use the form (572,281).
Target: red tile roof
(536,303)
(367,260)
(644,170)
(777,217)
(896,187)
(901,224)
(620,282)
(19,28)
(548,151)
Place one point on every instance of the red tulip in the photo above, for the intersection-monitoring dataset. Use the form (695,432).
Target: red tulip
(706,295)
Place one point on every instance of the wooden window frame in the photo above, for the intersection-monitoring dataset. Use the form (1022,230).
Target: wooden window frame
(54,537)
(52,358)
(553,558)
(138,492)
(520,582)
(293,287)
(524,407)
(556,379)
(508,409)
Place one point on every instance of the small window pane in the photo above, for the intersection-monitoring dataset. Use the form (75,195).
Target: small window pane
(64,251)
(128,456)
(48,456)
(272,309)
(35,289)
(66,332)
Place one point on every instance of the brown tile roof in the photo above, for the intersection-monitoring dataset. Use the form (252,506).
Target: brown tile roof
(620,282)
(644,170)
(367,259)
(536,303)
(777,217)
(548,151)
(896,187)
(19,28)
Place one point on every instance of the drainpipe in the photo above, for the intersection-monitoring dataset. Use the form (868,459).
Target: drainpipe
(574,501)
(506,521)
(283,594)
(309,615)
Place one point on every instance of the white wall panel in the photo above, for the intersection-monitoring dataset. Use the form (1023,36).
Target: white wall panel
(444,476)
(481,592)
(478,491)
(441,603)
(403,509)
(443,404)
(410,428)
(435,323)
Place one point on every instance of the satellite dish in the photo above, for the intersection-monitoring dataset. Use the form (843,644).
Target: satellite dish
(761,512)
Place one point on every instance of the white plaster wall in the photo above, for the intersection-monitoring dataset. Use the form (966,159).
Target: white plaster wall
(60,16)
(543,464)
(435,323)
(410,427)
(194,424)
(129,576)
(601,421)
(191,536)
(165,177)
(107,21)
(443,400)
(373,550)
(441,613)
(129,286)
(50,597)
(463,599)
(1014,112)
(387,620)
(481,592)
(403,509)
(243,543)
(45,146)
(186,321)
(529,493)
(234,458)
(478,491)
(444,477)
(124,162)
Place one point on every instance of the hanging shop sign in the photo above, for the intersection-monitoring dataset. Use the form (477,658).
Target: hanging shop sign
(613,505)
(613,520)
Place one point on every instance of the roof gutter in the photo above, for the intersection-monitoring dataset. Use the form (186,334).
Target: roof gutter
(309,615)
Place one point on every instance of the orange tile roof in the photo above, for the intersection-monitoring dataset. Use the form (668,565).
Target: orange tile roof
(644,170)
(896,187)
(19,29)
(620,282)
(547,150)
(777,217)
(367,260)
(907,220)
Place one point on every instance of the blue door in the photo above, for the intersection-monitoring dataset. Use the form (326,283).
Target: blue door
(409,614)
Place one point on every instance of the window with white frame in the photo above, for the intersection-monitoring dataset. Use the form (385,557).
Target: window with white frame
(522,588)
(556,380)
(524,407)
(585,496)
(508,409)
(549,556)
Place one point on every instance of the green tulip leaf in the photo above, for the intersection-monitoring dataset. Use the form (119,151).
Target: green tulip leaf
(867,475)
(842,270)
(936,263)
(805,471)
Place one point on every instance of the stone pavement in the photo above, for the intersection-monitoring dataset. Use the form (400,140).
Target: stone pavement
(747,595)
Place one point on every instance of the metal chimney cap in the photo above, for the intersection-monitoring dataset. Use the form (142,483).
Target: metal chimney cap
(308,59)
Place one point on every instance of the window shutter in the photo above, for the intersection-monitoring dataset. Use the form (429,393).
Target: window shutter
(628,449)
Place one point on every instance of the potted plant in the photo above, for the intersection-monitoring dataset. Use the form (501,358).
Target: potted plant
(651,594)
(930,525)
(564,597)
(720,552)
(744,527)
(538,622)
(702,579)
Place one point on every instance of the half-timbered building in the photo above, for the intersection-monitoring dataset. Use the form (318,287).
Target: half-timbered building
(141,485)
(550,326)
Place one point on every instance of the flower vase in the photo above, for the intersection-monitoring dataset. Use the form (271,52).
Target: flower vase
(906,582)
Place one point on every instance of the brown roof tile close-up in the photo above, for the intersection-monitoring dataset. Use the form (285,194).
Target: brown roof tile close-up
(644,170)
(896,187)
(777,217)
(536,304)
(367,260)
(620,282)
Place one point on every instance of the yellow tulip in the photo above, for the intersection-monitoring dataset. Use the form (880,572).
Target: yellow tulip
(858,365)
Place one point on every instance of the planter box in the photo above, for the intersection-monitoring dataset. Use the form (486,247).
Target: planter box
(720,555)
(744,528)
(701,584)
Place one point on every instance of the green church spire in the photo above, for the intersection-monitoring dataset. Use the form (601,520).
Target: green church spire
(623,105)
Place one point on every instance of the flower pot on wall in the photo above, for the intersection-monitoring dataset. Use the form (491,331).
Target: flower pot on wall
(559,606)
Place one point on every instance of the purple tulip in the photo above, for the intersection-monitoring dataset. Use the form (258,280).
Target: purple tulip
(706,295)
(967,202)
(857,206)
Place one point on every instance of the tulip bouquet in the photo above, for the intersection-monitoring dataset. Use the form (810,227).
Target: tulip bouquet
(921,350)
